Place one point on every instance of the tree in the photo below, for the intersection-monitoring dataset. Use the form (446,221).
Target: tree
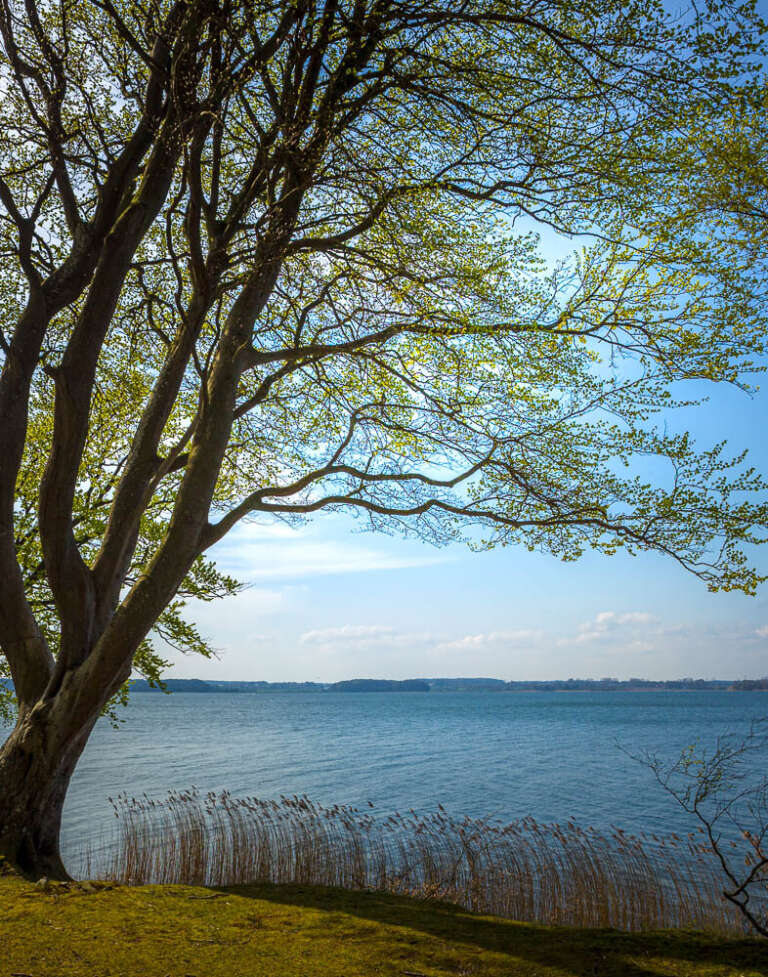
(726,791)
(708,207)
(280,258)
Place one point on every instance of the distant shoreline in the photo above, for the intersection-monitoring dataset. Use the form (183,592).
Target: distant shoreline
(439,685)
(442,685)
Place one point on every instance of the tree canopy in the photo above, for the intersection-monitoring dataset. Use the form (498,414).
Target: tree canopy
(283,258)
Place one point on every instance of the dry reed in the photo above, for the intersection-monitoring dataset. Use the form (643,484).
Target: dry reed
(544,873)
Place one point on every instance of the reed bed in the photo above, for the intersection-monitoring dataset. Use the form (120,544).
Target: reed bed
(545,873)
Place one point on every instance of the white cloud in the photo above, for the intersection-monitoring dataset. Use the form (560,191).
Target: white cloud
(762,632)
(369,635)
(354,638)
(389,653)
(347,633)
(523,636)
(609,619)
(611,626)
(259,552)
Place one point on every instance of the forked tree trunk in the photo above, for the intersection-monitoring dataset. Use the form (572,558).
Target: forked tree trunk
(36,765)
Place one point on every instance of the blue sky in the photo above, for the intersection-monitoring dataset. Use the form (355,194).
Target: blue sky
(328,602)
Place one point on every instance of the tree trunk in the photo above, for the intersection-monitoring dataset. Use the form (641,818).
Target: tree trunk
(36,764)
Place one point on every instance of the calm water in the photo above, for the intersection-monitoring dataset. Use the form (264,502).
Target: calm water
(552,755)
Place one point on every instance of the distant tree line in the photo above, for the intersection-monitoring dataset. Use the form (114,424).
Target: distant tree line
(751,685)
(449,685)
(618,685)
(458,685)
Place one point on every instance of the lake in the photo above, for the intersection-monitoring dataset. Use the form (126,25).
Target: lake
(553,755)
(508,754)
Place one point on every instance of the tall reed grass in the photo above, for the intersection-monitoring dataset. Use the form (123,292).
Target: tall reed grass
(545,873)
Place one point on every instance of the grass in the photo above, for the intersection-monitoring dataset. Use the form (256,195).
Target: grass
(103,930)
(526,871)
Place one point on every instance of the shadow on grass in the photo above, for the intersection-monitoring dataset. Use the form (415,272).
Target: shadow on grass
(576,952)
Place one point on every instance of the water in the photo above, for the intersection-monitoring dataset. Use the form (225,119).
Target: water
(551,755)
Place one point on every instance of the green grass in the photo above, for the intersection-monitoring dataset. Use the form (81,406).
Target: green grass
(301,931)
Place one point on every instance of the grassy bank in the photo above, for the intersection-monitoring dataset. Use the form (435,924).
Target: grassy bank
(299,931)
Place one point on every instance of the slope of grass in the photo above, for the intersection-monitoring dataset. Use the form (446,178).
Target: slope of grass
(97,930)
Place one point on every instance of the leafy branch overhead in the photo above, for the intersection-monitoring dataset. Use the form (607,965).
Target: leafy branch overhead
(276,259)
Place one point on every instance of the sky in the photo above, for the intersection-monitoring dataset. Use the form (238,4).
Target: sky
(328,602)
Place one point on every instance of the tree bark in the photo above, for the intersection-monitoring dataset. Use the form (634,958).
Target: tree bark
(36,764)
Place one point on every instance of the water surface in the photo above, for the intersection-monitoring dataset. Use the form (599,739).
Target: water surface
(509,754)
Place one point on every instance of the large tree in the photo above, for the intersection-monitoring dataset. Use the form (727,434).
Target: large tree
(280,258)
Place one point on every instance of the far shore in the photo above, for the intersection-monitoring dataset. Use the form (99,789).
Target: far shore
(442,685)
